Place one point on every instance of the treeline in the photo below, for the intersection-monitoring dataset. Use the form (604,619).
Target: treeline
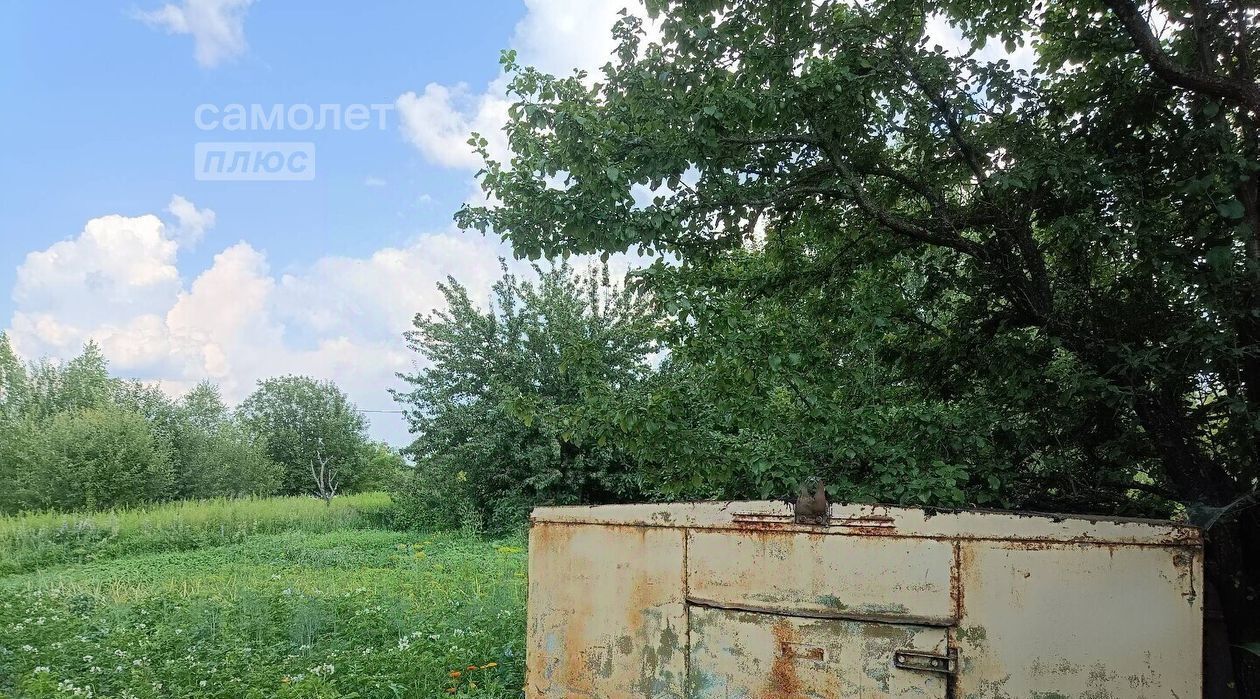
(572,389)
(74,437)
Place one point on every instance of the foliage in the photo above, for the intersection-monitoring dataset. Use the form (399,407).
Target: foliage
(72,436)
(496,409)
(305,607)
(214,455)
(33,541)
(1061,262)
(102,458)
(302,420)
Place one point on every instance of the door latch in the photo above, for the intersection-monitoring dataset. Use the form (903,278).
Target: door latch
(907,659)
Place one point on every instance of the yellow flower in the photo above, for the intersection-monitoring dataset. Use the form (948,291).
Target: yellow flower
(487,666)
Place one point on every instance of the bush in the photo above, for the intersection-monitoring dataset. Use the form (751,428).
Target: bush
(499,411)
(101,458)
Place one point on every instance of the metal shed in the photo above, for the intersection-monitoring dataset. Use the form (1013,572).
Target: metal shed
(738,601)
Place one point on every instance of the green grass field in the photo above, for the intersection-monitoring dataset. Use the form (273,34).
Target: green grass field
(280,597)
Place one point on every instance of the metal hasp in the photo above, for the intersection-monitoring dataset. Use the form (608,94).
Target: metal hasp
(743,601)
(909,659)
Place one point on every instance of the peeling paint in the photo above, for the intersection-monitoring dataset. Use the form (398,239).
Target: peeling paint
(737,601)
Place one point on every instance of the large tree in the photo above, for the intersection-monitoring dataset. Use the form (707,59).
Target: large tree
(311,429)
(1073,245)
(503,404)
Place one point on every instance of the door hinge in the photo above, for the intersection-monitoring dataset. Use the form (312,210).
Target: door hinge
(907,659)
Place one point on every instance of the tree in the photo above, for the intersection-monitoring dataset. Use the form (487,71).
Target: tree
(503,408)
(14,384)
(102,458)
(1072,249)
(213,455)
(382,468)
(305,422)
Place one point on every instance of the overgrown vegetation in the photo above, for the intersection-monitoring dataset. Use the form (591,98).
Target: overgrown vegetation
(925,276)
(72,437)
(296,600)
(494,408)
(36,541)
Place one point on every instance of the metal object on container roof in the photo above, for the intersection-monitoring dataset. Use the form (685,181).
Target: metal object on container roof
(739,600)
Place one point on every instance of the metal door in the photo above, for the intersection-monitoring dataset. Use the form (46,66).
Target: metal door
(738,654)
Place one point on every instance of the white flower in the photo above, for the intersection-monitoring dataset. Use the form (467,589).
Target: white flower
(324,670)
(42,670)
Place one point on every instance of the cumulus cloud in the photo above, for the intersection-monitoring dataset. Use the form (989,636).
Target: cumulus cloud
(117,268)
(556,36)
(216,26)
(191,223)
(440,120)
(238,320)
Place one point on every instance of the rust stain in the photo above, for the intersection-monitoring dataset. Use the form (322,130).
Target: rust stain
(783,682)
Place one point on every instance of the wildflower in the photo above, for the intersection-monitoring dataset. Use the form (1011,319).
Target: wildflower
(42,670)
(456,673)
(487,666)
(324,670)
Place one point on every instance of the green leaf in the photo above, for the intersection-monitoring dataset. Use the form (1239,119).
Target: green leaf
(1232,209)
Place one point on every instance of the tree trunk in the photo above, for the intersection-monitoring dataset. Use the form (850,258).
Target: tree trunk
(1232,539)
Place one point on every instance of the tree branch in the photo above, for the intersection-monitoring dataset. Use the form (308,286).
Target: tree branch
(1243,92)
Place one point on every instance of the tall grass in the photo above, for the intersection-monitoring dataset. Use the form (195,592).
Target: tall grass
(35,541)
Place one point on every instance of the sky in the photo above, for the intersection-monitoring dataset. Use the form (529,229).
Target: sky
(119,225)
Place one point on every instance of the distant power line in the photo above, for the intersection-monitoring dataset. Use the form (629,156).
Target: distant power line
(397,412)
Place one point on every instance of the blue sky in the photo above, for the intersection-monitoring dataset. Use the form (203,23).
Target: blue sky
(108,235)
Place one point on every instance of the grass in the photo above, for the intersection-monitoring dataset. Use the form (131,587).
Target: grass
(262,598)
(33,542)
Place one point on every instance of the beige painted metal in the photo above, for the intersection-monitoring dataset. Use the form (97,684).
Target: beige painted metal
(735,600)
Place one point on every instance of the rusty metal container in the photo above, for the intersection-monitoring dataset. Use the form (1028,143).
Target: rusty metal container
(738,601)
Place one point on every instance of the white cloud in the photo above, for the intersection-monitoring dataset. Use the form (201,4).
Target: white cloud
(440,120)
(217,26)
(370,181)
(191,223)
(237,321)
(117,268)
(556,36)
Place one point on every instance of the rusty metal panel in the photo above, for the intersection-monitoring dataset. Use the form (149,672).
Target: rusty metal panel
(606,617)
(745,655)
(813,572)
(1080,621)
(873,520)
(739,600)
